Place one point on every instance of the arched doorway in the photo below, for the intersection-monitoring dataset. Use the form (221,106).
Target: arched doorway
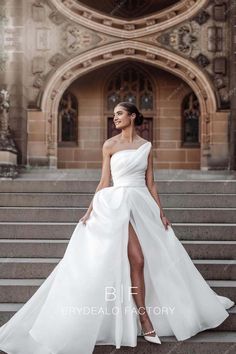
(158,94)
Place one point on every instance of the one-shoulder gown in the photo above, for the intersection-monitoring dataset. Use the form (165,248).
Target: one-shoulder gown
(87,299)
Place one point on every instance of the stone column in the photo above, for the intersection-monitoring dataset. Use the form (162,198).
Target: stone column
(232,134)
(8,151)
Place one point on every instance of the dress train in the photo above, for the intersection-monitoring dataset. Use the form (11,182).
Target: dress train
(87,300)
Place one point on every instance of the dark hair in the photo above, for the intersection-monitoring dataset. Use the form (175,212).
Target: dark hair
(131,108)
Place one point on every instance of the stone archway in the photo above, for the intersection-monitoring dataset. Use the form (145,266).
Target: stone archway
(128,50)
(99,21)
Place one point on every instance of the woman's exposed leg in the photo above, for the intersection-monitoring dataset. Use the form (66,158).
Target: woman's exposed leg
(136,260)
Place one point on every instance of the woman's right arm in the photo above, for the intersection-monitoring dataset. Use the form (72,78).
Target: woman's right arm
(105,176)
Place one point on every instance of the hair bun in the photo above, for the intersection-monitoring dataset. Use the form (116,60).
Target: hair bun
(139,119)
(131,108)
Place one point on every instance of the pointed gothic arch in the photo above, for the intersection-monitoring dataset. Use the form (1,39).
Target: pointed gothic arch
(78,12)
(54,88)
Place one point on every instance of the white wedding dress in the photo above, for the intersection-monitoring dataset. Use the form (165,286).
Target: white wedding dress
(86,299)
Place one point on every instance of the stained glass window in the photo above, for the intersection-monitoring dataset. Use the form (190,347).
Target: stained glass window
(112,100)
(68,118)
(191,114)
(131,85)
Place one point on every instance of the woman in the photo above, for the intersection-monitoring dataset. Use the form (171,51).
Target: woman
(126,117)
(124,272)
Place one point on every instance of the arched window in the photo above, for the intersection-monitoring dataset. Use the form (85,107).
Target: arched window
(131,84)
(68,118)
(190,119)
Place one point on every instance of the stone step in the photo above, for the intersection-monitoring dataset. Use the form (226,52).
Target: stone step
(20,290)
(64,230)
(84,199)
(42,267)
(43,214)
(206,342)
(56,248)
(13,289)
(224,288)
(57,185)
(216,269)
(210,249)
(204,231)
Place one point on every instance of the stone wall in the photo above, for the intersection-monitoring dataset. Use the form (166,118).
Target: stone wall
(92,122)
(42,37)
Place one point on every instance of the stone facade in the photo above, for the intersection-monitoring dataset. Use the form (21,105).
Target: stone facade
(56,45)
(93,121)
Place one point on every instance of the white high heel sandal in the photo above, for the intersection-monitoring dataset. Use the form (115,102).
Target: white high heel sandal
(153,339)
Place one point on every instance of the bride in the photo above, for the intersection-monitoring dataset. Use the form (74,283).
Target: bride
(124,272)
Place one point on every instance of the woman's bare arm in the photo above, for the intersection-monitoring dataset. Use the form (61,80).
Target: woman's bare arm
(105,173)
(150,181)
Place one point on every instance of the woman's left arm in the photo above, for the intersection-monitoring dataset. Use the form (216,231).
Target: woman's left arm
(152,187)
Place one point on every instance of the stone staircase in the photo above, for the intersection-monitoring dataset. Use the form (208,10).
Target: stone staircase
(37,218)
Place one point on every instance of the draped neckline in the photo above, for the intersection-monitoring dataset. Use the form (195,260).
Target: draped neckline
(129,149)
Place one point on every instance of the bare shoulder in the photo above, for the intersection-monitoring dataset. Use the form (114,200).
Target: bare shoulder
(108,145)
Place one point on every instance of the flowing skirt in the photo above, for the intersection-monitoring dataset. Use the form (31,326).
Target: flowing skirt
(87,299)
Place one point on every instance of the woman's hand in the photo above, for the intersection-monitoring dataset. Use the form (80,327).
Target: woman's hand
(85,218)
(165,221)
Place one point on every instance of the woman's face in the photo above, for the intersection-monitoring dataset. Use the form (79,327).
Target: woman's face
(121,117)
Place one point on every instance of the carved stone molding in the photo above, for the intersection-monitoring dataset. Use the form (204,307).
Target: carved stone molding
(107,56)
(57,59)
(171,64)
(53,94)
(95,20)
(202,60)
(38,81)
(38,11)
(67,75)
(200,39)
(151,56)
(129,51)
(38,65)
(219,11)
(77,38)
(180,39)
(215,39)
(202,17)
(194,39)
(78,66)
(219,81)
(87,63)
(191,75)
(56,18)
(70,39)
(159,57)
